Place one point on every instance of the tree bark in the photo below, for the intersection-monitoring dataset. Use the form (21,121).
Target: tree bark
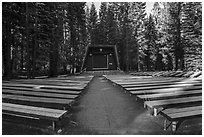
(28,63)
(7,52)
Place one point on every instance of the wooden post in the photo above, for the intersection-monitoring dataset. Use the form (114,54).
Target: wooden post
(174,126)
(165,122)
(54,125)
(154,111)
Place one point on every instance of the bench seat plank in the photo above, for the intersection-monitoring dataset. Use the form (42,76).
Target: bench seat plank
(146,84)
(46,82)
(75,92)
(40,94)
(184,115)
(150,80)
(179,110)
(161,87)
(147,80)
(165,90)
(44,86)
(38,99)
(161,103)
(169,94)
(45,113)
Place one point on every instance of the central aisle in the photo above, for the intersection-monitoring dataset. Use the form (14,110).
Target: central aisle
(105,109)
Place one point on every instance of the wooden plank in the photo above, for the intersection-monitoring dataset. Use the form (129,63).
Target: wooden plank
(64,88)
(132,78)
(188,74)
(39,94)
(44,86)
(153,87)
(174,74)
(38,99)
(166,102)
(173,83)
(181,74)
(168,74)
(165,90)
(175,116)
(45,113)
(169,94)
(76,92)
(184,85)
(47,81)
(146,84)
(149,81)
(179,110)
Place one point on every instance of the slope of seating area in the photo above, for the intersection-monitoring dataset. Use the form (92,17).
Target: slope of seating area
(47,99)
(176,99)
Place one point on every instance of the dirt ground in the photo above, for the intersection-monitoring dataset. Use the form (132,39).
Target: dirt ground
(103,109)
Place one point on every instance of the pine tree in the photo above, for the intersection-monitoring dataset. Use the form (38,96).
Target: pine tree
(192,33)
(93,28)
(174,31)
(6,39)
(12,38)
(102,26)
(111,25)
(151,38)
(137,28)
(161,15)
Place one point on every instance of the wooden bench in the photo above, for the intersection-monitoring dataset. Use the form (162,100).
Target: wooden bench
(139,81)
(181,74)
(177,115)
(180,85)
(166,90)
(188,74)
(155,105)
(48,82)
(148,80)
(169,94)
(168,74)
(39,94)
(54,115)
(44,86)
(145,84)
(75,92)
(41,100)
(155,87)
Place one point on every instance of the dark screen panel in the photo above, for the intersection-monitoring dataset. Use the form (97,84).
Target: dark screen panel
(100,61)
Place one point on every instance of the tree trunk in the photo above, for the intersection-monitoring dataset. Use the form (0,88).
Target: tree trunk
(22,58)
(28,63)
(7,52)
(34,46)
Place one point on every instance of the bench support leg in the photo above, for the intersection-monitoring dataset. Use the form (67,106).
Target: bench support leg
(54,125)
(165,125)
(154,111)
(174,126)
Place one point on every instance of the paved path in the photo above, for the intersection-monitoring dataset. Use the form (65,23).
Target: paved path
(105,109)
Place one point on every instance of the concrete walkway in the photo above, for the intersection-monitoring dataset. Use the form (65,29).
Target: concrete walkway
(106,109)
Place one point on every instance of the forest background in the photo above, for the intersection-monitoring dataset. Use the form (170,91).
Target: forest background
(50,38)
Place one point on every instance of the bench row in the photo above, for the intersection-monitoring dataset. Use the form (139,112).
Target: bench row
(169,74)
(40,100)
(159,95)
